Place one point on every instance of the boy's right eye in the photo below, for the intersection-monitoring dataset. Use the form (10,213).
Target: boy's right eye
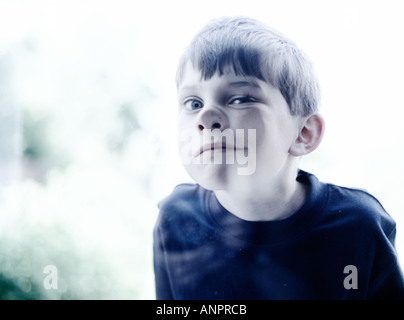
(193,104)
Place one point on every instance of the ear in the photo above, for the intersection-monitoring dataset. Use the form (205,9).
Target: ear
(309,137)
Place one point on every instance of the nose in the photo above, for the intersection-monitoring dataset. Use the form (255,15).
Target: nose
(212,118)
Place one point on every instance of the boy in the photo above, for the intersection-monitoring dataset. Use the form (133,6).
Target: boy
(247,95)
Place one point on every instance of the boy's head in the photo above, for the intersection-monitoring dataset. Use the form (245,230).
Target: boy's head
(248,105)
(251,48)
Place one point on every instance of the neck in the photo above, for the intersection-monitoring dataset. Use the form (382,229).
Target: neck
(274,200)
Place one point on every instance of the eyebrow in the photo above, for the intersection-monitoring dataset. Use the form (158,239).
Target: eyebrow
(239,84)
(236,84)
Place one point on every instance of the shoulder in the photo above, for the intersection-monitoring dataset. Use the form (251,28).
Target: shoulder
(184,218)
(360,208)
(186,201)
(183,197)
(347,207)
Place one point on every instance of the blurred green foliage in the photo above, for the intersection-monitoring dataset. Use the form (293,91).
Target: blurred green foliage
(82,203)
(89,219)
(38,155)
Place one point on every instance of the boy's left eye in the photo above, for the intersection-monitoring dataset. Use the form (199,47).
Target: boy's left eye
(241,100)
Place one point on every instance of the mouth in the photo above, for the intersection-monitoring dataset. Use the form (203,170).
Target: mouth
(222,147)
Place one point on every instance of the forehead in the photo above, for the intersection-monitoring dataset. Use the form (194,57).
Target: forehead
(192,78)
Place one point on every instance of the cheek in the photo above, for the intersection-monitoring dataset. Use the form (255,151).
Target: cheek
(271,138)
(188,142)
(256,120)
(183,128)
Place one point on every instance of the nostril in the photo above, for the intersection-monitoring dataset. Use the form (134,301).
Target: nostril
(200,127)
(216,125)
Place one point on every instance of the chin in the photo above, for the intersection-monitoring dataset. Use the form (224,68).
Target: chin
(210,177)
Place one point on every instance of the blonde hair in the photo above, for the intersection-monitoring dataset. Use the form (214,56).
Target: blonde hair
(252,48)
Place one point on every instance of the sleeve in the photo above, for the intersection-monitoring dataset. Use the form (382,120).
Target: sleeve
(162,280)
(390,281)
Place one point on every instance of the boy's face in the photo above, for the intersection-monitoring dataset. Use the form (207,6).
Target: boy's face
(232,153)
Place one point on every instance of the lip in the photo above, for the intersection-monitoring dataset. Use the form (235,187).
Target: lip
(216,146)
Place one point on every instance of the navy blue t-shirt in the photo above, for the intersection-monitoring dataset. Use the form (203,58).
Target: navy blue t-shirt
(338,245)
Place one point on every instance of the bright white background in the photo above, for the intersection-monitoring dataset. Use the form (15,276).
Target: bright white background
(81,58)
